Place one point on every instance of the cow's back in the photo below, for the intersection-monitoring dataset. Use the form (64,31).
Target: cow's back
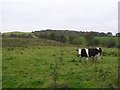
(93,52)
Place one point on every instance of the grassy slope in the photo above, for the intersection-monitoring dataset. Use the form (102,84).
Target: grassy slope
(107,38)
(16,32)
(82,39)
(30,67)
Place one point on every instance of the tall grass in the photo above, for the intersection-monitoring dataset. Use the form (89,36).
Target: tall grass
(28,65)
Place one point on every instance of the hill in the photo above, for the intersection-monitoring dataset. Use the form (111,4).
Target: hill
(44,62)
(40,63)
(69,37)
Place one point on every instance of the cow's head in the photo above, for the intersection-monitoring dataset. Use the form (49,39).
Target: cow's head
(79,51)
(76,49)
(100,50)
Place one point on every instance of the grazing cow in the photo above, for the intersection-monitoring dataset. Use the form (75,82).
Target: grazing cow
(90,52)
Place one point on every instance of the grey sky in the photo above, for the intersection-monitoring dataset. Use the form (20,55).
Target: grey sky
(84,15)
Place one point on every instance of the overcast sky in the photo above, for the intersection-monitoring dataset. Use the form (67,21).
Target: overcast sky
(82,15)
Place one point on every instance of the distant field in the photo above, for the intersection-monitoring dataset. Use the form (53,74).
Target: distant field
(101,39)
(38,63)
(16,32)
(107,38)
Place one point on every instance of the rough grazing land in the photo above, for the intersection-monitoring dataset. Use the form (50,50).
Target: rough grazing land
(39,66)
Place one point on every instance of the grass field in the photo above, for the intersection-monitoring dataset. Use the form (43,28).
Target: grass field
(44,64)
(16,32)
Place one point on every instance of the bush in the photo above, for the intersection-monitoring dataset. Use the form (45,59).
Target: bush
(110,43)
(76,41)
(118,43)
(96,41)
(89,38)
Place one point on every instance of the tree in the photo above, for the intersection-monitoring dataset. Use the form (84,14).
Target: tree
(62,38)
(110,43)
(45,35)
(71,37)
(52,36)
(76,41)
(102,34)
(89,38)
(109,34)
(13,35)
(117,34)
(40,35)
(96,41)
(3,35)
(29,36)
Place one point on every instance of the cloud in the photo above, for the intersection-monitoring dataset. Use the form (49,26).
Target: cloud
(28,15)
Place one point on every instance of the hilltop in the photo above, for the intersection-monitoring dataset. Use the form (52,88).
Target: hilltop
(65,32)
(70,37)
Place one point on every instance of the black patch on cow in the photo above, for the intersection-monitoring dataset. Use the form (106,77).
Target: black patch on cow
(93,51)
(83,53)
(100,51)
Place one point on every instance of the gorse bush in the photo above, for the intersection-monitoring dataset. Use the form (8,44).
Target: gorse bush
(87,40)
(110,43)
(96,41)
(76,41)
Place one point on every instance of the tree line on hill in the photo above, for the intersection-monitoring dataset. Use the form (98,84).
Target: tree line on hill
(78,38)
(12,35)
(71,37)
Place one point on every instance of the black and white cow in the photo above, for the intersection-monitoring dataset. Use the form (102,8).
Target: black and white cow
(90,52)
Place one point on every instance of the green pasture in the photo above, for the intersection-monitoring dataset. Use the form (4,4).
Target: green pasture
(51,64)
(16,32)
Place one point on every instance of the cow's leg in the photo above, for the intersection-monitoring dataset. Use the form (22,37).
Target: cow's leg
(98,57)
(92,58)
(80,60)
(87,59)
(84,58)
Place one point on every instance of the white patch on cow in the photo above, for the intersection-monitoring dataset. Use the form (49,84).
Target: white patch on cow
(98,48)
(98,56)
(79,51)
(86,51)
